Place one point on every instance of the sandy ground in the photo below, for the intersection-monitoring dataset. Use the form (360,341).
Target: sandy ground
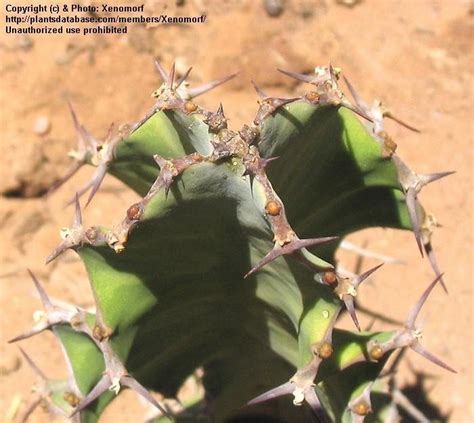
(415,55)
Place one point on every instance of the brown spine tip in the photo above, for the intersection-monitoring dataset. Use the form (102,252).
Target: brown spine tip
(361,408)
(101,332)
(376,352)
(76,321)
(389,145)
(324,350)
(71,399)
(134,212)
(329,277)
(273,208)
(312,96)
(190,107)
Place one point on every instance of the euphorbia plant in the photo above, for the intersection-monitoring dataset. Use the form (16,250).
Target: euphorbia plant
(227,263)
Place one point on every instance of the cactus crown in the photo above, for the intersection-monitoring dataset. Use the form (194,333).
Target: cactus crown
(206,271)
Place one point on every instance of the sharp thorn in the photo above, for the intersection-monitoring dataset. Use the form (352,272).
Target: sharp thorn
(42,293)
(101,386)
(313,401)
(412,316)
(68,175)
(29,410)
(161,71)
(81,192)
(97,181)
(428,179)
(359,102)
(266,162)
(356,110)
(33,365)
(195,92)
(83,135)
(77,126)
(147,116)
(349,303)
(305,243)
(289,248)
(400,122)
(411,202)
(417,347)
(434,264)
(56,252)
(171,75)
(183,78)
(298,76)
(77,213)
(285,389)
(366,274)
(259,91)
(27,335)
(401,401)
(132,383)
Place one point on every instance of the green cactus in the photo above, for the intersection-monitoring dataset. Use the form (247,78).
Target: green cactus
(207,272)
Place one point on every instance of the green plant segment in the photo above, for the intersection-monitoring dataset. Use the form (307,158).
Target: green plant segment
(227,262)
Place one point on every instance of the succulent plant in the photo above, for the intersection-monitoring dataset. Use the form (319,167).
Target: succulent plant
(227,263)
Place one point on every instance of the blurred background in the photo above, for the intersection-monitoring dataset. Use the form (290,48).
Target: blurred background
(415,56)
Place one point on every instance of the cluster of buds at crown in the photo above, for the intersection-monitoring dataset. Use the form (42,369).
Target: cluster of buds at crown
(409,336)
(176,94)
(225,142)
(325,79)
(268,105)
(171,95)
(179,89)
(254,164)
(170,169)
(216,121)
(249,134)
(327,92)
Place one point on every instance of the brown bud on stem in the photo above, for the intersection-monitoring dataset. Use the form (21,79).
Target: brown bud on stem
(329,277)
(273,208)
(134,212)
(190,107)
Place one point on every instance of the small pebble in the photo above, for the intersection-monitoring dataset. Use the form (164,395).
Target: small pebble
(9,364)
(274,8)
(42,125)
(348,3)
